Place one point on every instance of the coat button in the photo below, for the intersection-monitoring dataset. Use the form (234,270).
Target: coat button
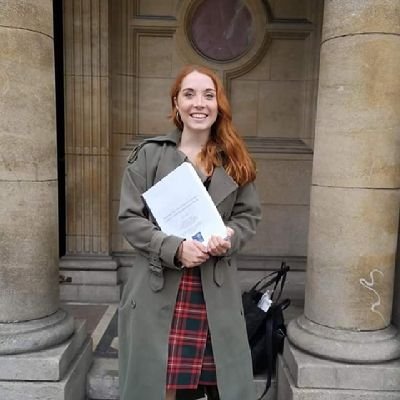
(133,303)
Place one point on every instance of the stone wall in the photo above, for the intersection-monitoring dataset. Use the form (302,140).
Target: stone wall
(273,101)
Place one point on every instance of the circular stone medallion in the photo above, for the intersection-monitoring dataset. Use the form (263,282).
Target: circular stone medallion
(221,30)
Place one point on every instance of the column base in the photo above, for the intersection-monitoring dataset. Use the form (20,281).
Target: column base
(92,279)
(305,377)
(344,345)
(58,373)
(22,337)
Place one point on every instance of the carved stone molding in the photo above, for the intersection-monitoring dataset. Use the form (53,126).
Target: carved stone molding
(275,19)
(141,28)
(254,144)
(236,66)
(87,126)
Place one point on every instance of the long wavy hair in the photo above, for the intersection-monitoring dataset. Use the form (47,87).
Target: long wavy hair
(224,147)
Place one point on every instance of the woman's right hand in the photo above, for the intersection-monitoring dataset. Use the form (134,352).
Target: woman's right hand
(192,254)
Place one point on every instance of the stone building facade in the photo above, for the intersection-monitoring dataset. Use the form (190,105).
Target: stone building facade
(315,92)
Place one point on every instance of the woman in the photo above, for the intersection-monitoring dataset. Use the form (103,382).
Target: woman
(181,326)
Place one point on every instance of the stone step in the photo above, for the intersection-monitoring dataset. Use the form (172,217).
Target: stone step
(90,293)
(103,382)
(89,279)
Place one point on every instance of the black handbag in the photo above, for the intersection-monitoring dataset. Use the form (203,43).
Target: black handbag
(266,330)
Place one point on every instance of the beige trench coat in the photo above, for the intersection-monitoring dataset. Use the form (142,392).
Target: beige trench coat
(148,299)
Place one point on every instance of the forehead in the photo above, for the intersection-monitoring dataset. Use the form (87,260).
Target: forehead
(197,80)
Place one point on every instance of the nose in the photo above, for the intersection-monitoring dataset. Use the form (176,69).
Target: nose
(198,101)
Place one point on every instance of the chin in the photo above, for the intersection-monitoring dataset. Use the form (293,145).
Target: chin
(200,129)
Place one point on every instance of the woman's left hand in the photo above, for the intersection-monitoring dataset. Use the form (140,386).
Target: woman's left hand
(217,246)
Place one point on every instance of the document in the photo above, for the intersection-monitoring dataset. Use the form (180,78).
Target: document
(182,206)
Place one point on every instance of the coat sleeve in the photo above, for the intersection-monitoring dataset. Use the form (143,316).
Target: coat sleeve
(245,216)
(133,219)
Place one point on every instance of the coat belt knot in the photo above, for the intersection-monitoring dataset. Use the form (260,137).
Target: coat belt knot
(219,270)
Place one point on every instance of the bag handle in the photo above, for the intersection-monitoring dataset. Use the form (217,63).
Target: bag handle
(278,276)
(284,270)
(262,279)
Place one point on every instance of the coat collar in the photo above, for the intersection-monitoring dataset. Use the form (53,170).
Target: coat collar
(221,184)
(174,136)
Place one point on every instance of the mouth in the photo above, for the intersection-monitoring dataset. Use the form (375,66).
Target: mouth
(198,116)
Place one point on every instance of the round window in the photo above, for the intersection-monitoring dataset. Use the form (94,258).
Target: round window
(221,30)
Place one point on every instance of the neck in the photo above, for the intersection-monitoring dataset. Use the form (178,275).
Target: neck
(194,139)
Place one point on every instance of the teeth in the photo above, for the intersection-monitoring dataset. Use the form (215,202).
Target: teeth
(199,115)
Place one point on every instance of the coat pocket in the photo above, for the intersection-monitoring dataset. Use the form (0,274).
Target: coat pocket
(127,302)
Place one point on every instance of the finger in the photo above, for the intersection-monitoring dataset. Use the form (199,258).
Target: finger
(220,243)
(212,243)
(213,250)
(228,244)
(221,248)
(196,263)
(229,232)
(194,250)
(195,257)
(204,257)
(200,246)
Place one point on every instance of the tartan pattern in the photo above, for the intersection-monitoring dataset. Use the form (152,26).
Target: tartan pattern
(190,357)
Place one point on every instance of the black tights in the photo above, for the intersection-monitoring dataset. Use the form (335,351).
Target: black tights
(194,394)
(212,392)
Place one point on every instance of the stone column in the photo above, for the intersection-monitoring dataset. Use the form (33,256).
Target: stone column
(28,180)
(30,318)
(354,210)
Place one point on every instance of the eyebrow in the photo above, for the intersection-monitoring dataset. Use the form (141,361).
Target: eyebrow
(193,90)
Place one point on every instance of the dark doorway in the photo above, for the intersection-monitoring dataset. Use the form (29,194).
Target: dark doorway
(59,85)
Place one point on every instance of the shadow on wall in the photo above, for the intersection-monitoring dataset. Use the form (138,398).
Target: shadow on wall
(396,301)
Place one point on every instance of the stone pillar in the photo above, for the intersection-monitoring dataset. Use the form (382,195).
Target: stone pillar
(88,262)
(30,317)
(354,211)
(28,176)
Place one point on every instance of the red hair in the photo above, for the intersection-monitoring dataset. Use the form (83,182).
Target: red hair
(225,147)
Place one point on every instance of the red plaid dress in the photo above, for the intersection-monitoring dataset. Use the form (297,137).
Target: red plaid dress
(190,356)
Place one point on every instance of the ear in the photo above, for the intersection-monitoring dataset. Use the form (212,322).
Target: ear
(176,103)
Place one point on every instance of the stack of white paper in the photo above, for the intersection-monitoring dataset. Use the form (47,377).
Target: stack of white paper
(182,206)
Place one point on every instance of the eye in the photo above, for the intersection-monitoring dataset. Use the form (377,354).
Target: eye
(188,95)
(210,96)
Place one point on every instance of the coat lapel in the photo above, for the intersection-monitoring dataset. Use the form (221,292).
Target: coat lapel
(221,185)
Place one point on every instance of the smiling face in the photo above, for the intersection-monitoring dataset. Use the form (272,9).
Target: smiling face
(197,103)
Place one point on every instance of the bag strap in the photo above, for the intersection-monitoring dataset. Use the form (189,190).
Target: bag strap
(269,351)
(269,330)
(284,304)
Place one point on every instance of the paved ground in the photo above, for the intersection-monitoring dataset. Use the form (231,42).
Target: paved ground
(101,323)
